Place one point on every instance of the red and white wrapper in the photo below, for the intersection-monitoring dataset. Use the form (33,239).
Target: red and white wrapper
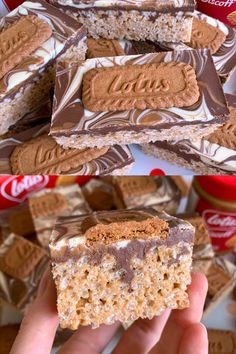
(223,10)
(221,223)
(8,5)
(15,190)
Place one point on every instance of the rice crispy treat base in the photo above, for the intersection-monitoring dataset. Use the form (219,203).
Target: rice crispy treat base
(197,166)
(135,25)
(34,93)
(132,137)
(95,295)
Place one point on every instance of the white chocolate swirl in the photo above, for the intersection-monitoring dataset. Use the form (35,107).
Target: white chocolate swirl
(69,115)
(63,28)
(130,4)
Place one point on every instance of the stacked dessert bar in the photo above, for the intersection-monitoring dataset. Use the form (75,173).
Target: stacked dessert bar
(148,73)
(32,37)
(133,19)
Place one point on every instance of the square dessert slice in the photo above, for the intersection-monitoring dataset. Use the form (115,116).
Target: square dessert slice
(131,192)
(221,276)
(144,98)
(163,20)
(211,33)
(48,204)
(22,265)
(207,32)
(31,151)
(120,265)
(202,248)
(215,154)
(35,34)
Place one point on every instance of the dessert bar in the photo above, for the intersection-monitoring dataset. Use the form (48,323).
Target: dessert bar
(48,204)
(36,33)
(44,155)
(207,32)
(221,276)
(131,192)
(120,265)
(202,248)
(215,154)
(99,194)
(180,72)
(22,264)
(163,20)
(211,33)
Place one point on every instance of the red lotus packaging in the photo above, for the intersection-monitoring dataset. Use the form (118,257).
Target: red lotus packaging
(14,190)
(8,5)
(214,197)
(223,10)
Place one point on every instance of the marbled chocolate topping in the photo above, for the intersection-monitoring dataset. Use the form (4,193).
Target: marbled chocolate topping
(63,244)
(204,151)
(71,229)
(20,292)
(224,59)
(140,5)
(39,115)
(231,99)
(166,191)
(66,31)
(70,117)
(116,157)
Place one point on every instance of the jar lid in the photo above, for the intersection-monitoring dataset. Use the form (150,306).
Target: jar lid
(222,187)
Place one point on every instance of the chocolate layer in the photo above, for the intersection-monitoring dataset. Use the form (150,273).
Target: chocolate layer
(116,157)
(48,204)
(66,32)
(69,230)
(131,192)
(225,57)
(70,117)
(39,116)
(22,265)
(141,5)
(67,240)
(204,151)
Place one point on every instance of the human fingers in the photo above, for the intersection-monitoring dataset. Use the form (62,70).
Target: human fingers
(89,341)
(142,335)
(39,326)
(194,340)
(180,319)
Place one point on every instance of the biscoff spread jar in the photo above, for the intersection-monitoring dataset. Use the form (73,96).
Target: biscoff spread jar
(214,197)
(223,10)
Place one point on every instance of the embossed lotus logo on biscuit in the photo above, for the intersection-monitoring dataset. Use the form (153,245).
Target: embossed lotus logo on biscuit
(18,189)
(147,86)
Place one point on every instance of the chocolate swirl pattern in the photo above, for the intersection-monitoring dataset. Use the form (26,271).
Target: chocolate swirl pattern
(126,4)
(225,58)
(69,115)
(71,228)
(117,157)
(62,27)
(218,152)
